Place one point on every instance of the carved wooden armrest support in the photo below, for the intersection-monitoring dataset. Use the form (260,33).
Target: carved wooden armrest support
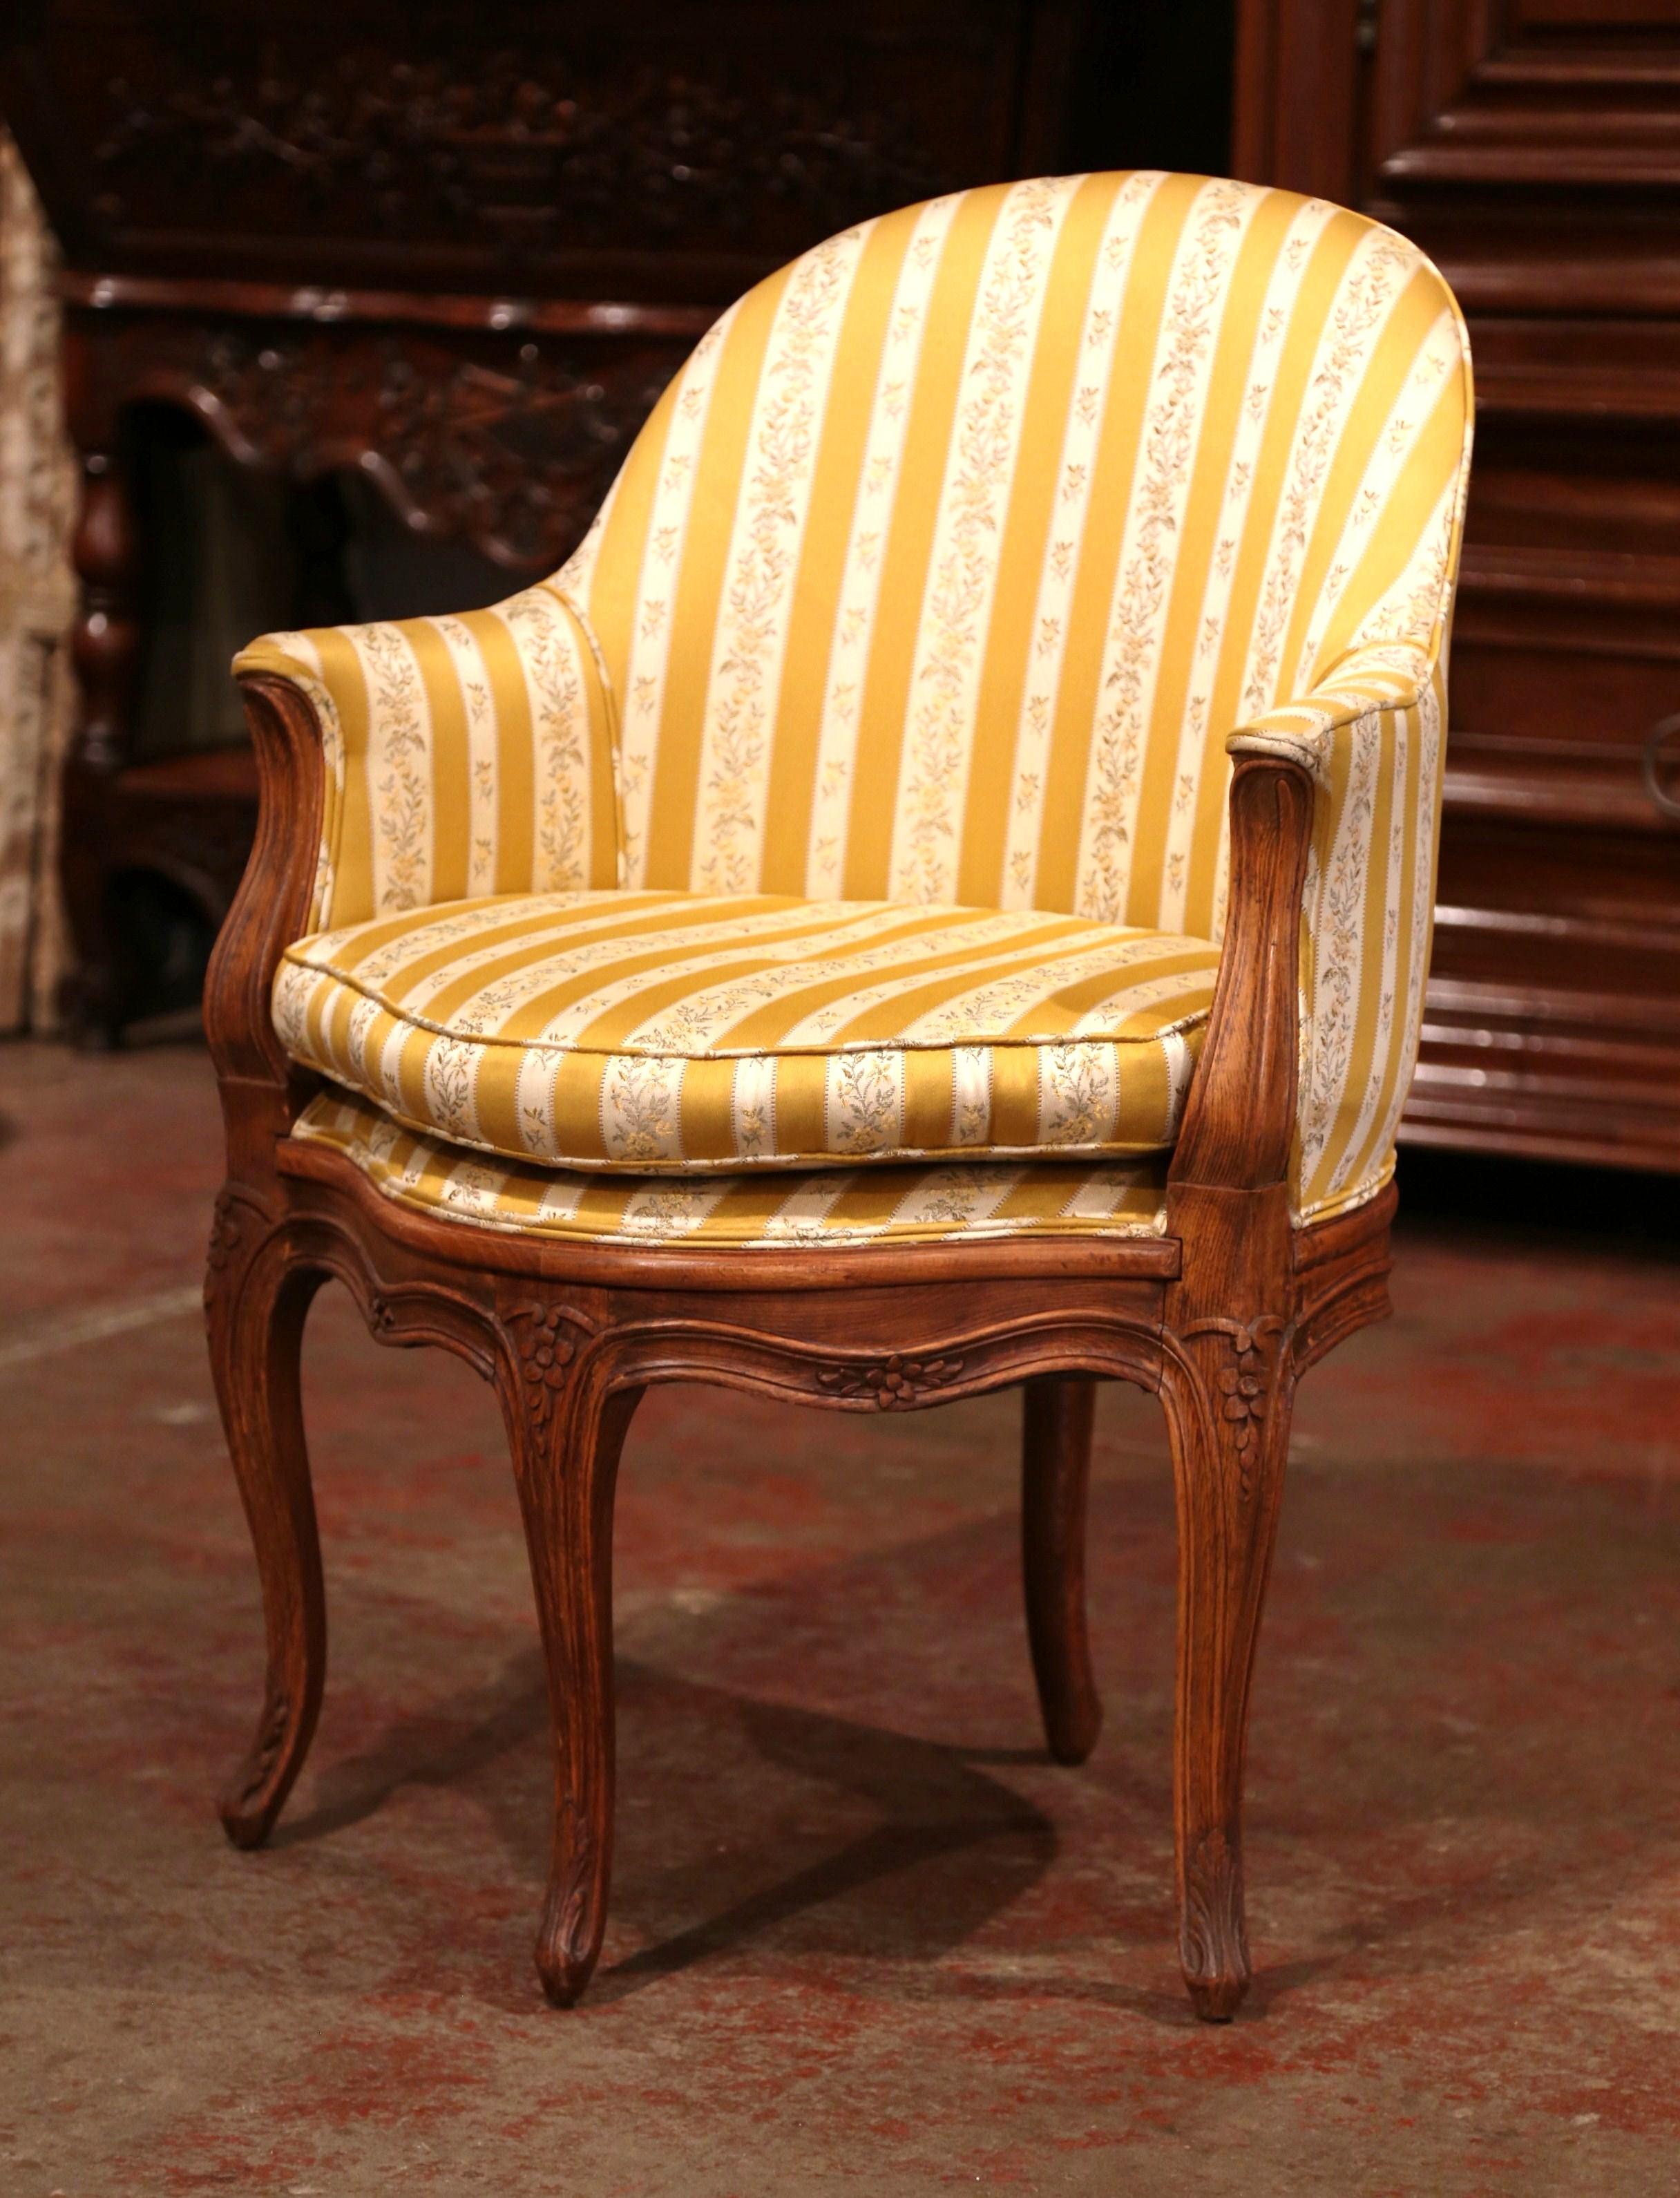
(1240,1117)
(272,905)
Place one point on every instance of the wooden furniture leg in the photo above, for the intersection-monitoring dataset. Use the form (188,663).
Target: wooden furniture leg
(1229,1476)
(1227,1386)
(566,1435)
(1056,1471)
(256,1306)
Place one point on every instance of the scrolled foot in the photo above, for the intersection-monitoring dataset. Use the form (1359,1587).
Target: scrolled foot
(1073,1728)
(1216,1999)
(568,1940)
(564,1976)
(256,1794)
(1213,1941)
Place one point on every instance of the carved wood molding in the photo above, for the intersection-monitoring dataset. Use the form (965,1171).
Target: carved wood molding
(510,445)
(1470,95)
(532,151)
(272,907)
(1342,1277)
(863,1350)
(1240,1116)
(1462,96)
(930,1346)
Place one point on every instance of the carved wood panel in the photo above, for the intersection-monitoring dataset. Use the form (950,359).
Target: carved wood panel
(653,149)
(507,439)
(1562,94)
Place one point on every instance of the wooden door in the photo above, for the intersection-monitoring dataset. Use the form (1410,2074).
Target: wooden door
(1532,148)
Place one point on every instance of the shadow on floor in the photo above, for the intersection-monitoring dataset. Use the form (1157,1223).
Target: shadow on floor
(761,1768)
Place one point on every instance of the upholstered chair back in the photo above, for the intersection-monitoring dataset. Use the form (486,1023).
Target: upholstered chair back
(950,559)
(954,567)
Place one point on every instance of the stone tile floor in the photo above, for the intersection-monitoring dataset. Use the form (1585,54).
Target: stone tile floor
(864,1936)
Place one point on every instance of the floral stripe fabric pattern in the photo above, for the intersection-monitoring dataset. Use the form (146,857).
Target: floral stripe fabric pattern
(853,1206)
(464,755)
(997,520)
(950,572)
(657,1031)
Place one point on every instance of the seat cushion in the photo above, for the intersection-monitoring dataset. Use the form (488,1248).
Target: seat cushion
(653,1031)
(904,1204)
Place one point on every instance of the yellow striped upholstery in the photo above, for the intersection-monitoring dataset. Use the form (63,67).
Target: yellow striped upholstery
(659,1030)
(464,755)
(881,1204)
(953,565)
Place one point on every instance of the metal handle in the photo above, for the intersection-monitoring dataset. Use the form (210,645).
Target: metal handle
(1662,745)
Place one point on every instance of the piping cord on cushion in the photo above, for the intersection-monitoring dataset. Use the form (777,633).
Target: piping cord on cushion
(655,1031)
(886,1206)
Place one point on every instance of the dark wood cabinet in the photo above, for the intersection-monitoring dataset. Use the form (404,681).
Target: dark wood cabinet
(1532,148)
(459,251)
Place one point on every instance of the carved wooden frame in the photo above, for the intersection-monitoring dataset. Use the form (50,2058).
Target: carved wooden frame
(1219,1317)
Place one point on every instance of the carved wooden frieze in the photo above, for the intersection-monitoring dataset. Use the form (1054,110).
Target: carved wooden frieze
(529,148)
(507,444)
(895,1383)
(658,151)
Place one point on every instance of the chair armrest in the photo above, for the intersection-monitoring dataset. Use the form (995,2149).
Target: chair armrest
(1334,807)
(463,755)
(1383,676)
(406,763)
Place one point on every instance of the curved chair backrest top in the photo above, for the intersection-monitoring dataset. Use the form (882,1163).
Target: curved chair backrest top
(948,562)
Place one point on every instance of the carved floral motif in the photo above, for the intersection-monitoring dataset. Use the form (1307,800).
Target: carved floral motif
(894,1382)
(1246,1388)
(224,1236)
(545,1351)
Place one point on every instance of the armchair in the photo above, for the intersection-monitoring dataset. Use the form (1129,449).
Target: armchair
(935,895)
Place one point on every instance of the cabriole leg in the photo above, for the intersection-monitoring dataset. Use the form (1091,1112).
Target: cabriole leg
(566,1438)
(1228,1406)
(1055,1473)
(255,1306)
